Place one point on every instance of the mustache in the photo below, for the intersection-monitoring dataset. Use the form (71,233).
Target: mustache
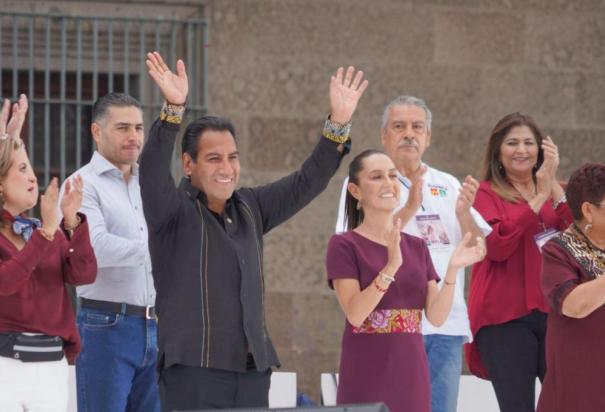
(408,143)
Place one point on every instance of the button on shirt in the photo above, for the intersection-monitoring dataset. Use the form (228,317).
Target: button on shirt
(118,233)
(439,195)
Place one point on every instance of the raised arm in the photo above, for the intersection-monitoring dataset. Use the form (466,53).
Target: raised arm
(158,190)
(280,200)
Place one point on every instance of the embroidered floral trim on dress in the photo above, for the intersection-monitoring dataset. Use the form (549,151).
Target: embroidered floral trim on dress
(392,321)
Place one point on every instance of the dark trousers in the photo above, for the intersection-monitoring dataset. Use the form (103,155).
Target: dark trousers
(191,387)
(513,354)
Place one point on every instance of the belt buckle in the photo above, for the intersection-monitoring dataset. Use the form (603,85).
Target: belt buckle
(148,312)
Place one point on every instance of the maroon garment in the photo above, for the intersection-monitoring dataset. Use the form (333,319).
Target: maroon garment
(506,284)
(384,367)
(33,297)
(575,365)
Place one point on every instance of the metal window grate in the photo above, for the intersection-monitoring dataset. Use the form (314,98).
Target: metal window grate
(64,63)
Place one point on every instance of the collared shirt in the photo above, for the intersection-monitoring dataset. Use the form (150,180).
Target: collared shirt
(208,268)
(439,195)
(118,233)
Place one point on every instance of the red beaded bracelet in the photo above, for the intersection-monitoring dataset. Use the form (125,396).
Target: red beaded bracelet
(382,290)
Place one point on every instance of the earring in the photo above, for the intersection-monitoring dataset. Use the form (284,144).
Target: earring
(500,167)
(358,207)
(587,227)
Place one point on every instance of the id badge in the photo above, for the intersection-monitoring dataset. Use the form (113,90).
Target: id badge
(543,237)
(433,231)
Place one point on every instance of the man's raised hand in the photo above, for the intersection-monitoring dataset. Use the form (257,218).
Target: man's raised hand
(345,91)
(174,87)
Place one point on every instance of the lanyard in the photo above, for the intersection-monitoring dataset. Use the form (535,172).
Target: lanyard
(408,188)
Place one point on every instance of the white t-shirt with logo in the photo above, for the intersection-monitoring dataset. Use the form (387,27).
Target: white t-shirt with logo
(435,222)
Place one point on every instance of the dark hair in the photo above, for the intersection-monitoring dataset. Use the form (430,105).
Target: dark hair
(196,128)
(587,184)
(103,103)
(354,216)
(492,169)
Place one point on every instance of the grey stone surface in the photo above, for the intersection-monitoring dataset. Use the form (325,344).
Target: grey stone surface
(472,60)
(566,41)
(590,95)
(479,38)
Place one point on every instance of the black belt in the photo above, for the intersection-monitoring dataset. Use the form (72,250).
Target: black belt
(147,312)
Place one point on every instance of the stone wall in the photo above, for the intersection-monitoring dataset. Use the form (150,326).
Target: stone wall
(472,60)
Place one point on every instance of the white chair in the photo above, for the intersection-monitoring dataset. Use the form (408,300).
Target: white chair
(282,392)
(329,386)
(477,395)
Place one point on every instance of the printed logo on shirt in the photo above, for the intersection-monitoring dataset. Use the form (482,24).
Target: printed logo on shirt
(438,190)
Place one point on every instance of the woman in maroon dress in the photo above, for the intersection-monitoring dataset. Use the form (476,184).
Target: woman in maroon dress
(574,286)
(384,279)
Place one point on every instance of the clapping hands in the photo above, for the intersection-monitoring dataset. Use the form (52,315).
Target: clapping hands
(12,128)
(466,255)
(546,174)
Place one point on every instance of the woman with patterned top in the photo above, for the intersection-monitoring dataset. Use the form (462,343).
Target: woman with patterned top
(384,279)
(37,325)
(574,286)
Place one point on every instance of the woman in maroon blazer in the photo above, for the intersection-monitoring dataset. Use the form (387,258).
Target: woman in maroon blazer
(38,334)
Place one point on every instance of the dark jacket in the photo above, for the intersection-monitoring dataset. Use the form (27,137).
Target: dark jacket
(208,273)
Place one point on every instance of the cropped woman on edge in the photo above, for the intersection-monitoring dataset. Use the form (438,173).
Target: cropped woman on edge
(574,286)
(525,205)
(384,280)
(37,325)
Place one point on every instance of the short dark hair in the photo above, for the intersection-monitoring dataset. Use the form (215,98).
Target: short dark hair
(103,103)
(587,184)
(195,129)
(353,216)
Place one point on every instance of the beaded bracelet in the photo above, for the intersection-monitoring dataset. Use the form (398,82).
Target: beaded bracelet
(556,204)
(377,286)
(172,113)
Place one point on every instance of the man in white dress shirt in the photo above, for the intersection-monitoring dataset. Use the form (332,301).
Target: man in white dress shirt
(116,370)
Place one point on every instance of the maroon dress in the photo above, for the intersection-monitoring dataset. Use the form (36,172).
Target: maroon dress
(575,365)
(384,359)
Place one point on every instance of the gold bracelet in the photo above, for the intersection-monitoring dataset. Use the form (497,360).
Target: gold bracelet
(172,113)
(46,236)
